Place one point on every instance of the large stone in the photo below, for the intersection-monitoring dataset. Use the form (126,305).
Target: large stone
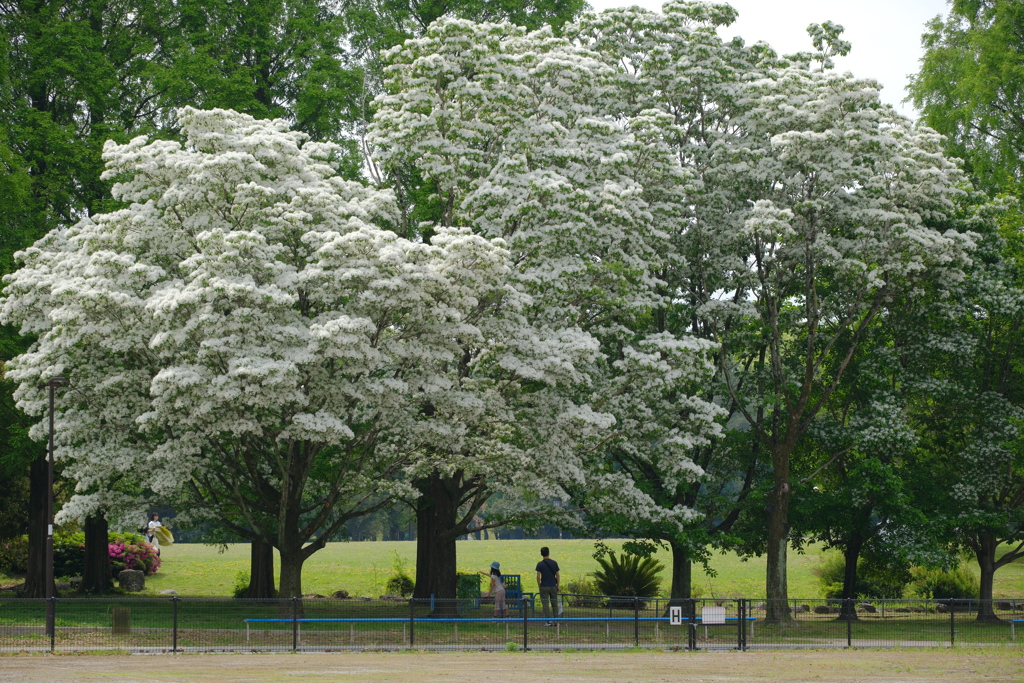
(822,609)
(340,595)
(1004,606)
(132,580)
(867,607)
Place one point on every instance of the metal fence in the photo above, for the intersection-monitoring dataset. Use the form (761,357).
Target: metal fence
(148,624)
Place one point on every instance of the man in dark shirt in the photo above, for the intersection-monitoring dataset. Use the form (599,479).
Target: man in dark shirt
(548,581)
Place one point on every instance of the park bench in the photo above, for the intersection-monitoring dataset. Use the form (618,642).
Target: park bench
(1013,630)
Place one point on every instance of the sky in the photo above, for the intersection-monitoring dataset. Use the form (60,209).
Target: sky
(886,34)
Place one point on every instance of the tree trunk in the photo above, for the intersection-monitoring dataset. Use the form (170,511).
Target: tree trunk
(851,554)
(985,551)
(682,580)
(682,573)
(436,560)
(776,587)
(261,571)
(35,574)
(291,573)
(96,577)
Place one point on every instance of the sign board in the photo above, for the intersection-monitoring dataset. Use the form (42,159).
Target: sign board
(712,615)
(675,616)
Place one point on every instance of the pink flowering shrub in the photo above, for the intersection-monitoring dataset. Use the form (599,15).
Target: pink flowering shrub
(130,551)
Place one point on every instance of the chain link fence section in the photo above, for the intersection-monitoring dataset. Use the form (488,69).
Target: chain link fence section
(595,622)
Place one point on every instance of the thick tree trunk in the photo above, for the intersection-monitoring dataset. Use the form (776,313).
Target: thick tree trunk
(261,571)
(96,577)
(424,552)
(848,610)
(35,574)
(291,573)
(776,587)
(985,551)
(436,560)
(682,573)
(682,580)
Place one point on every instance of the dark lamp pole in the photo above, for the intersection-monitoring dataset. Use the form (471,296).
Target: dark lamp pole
(50,625)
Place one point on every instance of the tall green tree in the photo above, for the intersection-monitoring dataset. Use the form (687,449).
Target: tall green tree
(72,75)
(971,87)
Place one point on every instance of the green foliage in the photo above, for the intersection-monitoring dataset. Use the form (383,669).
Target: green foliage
(14,555)
(970,87)
(941,584)
(873,580)
(399,583)
(241,584)
(631,575)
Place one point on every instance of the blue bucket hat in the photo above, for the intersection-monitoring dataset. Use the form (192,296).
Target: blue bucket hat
(495,565)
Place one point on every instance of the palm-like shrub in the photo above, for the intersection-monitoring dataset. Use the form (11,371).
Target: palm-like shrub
(630,576)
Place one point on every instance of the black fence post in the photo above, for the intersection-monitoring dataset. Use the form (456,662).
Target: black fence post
(51,613)
(636,622)
(952,623)
(295,624)
(412,622)
(691,642)
(522,605)
(740,624)
(174,624)
(849,621)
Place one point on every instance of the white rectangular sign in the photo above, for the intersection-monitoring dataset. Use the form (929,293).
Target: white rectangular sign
(712,615)
(675,616)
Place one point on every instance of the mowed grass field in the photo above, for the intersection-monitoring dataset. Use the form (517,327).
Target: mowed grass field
(363,568)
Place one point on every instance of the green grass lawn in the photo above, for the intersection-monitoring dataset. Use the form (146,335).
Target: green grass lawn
(363,568)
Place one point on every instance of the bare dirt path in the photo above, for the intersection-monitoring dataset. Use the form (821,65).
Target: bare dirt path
(894,666)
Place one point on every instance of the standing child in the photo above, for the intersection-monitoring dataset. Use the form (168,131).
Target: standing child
(497,590)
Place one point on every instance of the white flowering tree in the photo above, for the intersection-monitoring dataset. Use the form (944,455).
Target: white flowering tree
(244,336)
(677,85)
(510,135)
(836,207)
(808,208)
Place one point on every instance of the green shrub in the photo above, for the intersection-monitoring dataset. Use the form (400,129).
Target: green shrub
(68,554)
(939,584)
(241,584)
(399,583)
(582,589)
(631,576)
(14,556)
(874,580)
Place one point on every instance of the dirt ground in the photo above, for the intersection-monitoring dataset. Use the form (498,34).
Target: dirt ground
(992,666)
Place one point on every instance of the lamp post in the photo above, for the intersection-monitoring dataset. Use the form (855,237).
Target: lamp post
(50,625)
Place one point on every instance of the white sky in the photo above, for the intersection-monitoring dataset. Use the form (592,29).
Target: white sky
(886,34)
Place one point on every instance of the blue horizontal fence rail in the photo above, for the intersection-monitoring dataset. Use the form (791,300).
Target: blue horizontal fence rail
(156,624)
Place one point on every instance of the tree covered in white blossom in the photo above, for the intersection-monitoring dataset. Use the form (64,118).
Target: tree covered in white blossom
(244,336)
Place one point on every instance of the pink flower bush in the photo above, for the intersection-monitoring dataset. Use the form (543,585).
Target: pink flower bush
(133,553)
